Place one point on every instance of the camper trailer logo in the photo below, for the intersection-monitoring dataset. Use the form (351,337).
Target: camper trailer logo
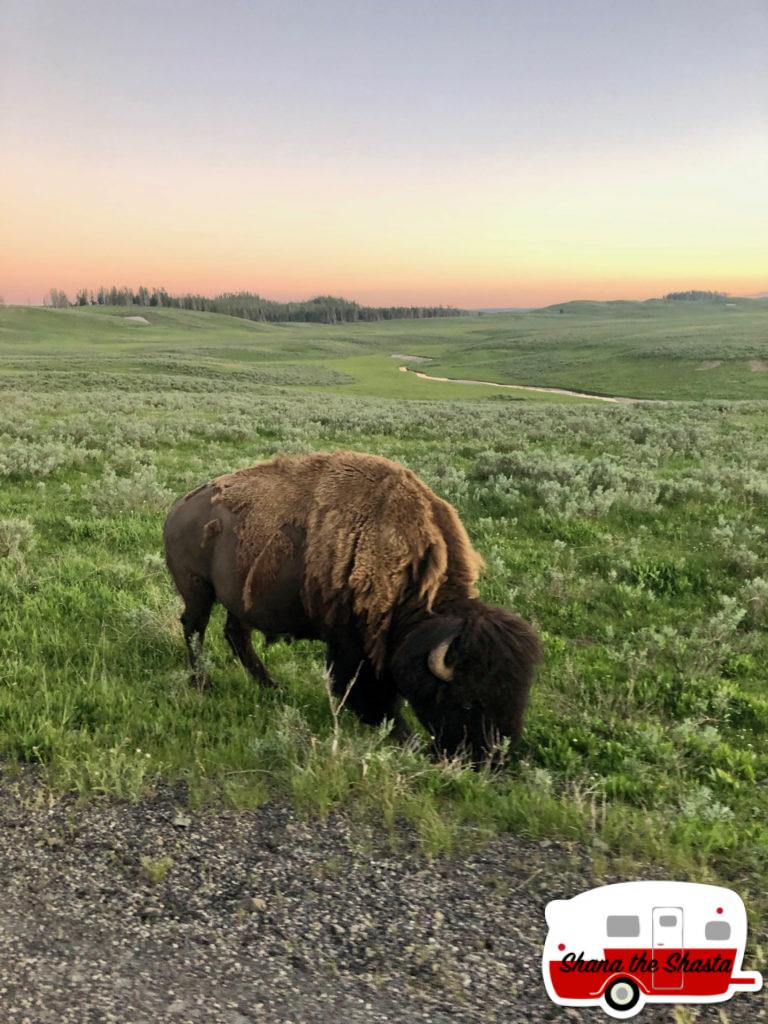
(622,946)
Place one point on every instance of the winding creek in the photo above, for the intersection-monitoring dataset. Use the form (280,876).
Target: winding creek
(521,387)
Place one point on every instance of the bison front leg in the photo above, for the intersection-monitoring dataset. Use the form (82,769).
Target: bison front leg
(198,601)
(239,639)
(372,698)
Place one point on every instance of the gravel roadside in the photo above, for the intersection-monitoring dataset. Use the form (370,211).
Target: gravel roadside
(114,912)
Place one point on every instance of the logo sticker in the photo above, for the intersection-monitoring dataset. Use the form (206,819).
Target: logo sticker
(622,946)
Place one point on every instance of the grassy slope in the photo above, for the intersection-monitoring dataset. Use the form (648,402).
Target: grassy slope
(88,343)
(647,350)
(636,539)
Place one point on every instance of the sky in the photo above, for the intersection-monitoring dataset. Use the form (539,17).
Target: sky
(478,153)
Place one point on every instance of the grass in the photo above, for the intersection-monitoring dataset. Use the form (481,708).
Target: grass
(678,350)
(155,869)
(635,538)
(668,350)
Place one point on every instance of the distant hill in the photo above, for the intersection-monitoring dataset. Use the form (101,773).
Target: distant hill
(650,307)
(695,350)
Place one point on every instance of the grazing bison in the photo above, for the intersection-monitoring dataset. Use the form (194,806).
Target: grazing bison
(355,550)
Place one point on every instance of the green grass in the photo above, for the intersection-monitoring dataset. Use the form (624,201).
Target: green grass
(650,350)
(634,537)
(643,350)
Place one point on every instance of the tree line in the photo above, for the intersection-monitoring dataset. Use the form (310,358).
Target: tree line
(325,309)
(694,294)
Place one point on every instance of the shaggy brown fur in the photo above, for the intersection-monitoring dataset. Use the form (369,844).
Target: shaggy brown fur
(375,534)
(357,552)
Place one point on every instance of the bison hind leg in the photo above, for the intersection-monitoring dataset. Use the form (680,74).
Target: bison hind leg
(198,602)
(239,639)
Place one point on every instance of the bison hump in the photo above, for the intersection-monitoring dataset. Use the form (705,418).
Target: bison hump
(374,538)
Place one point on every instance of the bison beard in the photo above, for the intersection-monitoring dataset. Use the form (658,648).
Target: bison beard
(356,551)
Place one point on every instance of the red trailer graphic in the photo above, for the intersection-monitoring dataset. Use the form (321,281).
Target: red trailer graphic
(622,946)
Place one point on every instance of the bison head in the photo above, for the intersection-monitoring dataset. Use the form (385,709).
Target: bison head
(466,672)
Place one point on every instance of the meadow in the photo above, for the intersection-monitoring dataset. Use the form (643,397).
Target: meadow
(634,537)
(651,350)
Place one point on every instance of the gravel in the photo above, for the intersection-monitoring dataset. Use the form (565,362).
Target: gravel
(153,912)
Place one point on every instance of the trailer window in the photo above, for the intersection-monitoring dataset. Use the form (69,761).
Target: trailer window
(717,930)
(623,927)
(668,920)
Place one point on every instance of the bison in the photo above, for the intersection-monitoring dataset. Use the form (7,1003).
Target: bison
(354,550)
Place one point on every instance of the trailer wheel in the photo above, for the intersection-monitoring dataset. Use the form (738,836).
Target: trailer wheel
(623,996)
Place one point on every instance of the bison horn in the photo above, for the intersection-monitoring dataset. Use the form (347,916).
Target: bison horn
(437,664)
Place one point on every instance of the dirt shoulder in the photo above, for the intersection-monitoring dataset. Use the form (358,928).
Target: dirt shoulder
(264,916)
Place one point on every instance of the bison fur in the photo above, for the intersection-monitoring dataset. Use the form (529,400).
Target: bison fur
(354,550)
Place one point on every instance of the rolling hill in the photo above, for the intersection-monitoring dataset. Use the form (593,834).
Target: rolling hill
(650,350)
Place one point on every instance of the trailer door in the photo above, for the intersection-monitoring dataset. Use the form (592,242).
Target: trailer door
(667,938)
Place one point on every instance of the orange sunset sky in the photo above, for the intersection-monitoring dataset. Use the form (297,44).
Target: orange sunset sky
(474,154)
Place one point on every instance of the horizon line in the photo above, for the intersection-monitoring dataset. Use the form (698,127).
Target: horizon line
(391,305)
